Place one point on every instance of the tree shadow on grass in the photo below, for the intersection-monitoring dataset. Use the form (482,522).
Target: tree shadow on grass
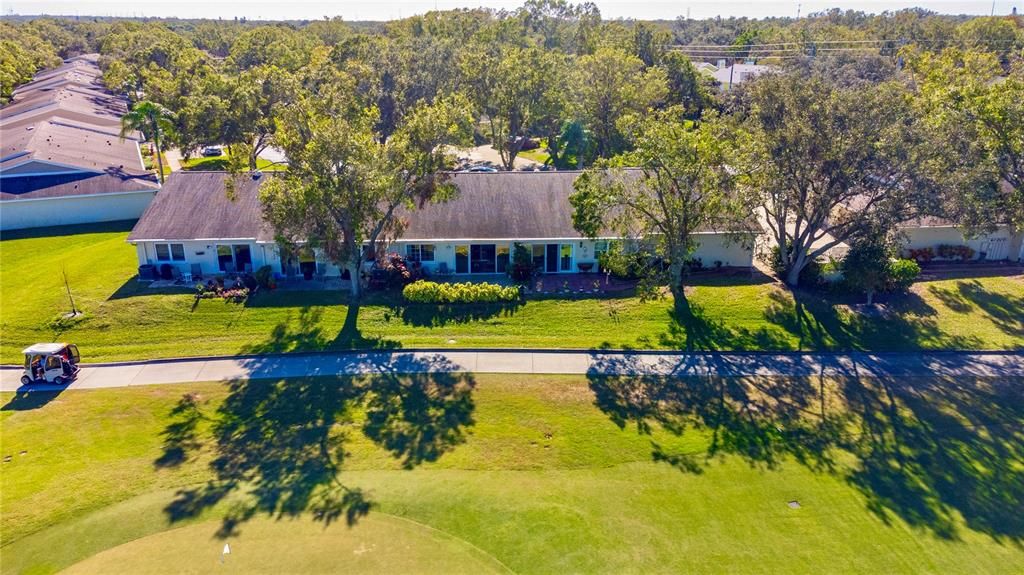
(427,315)
(690,328)
(818,323)
(305,332)
(1005,311)
(930,451)
(278,446)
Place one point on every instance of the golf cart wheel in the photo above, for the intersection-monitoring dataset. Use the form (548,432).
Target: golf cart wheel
(59,380)
(26,380)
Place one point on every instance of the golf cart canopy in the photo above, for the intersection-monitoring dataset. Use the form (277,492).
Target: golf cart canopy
(44,348)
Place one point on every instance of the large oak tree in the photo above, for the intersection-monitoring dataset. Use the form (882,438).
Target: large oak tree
(346,186)
(681,185)
(830,164)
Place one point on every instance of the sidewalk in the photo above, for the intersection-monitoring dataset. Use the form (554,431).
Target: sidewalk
(966,364)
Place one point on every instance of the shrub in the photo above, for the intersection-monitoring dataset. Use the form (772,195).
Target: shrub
(902,273)
(263,277)
(433,292)
(521,269)
(399,271)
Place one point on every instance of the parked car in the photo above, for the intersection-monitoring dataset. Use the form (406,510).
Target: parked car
(50,363)
(482,169)
(213,151)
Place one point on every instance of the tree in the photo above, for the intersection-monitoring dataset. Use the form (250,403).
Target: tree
(519,90)
(681,186)
(278,46)
(345,187)
(156,124)
(871,266)
(830,165)
(254,99)
(611,84)
(976,117)
(866,265)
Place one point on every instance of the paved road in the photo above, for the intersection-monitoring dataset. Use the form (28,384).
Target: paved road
(571,362)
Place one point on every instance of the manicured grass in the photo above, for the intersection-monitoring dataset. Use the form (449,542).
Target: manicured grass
(125,320)
(215,163)
(539,474)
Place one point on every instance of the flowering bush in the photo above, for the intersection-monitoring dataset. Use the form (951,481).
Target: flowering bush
(433,292)
(399,271)
(211,290)
(922,255)
(948,252)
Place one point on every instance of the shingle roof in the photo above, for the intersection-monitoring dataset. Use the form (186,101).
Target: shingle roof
(195,205)
(80,184)
(493,206)
(502,205)
(65,116)
(72,144)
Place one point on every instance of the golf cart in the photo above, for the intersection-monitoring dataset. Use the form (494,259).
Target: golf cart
(50,363)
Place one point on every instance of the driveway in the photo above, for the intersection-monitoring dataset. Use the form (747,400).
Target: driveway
(486,154)
(957,364)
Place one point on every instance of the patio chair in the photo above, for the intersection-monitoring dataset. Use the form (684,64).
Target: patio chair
(442,269)
(197,272)
(175,274)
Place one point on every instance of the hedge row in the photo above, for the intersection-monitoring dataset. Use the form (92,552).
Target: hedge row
(433,292)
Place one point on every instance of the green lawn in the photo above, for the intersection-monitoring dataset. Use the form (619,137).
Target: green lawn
(530,474)
(216,163)
(123,320)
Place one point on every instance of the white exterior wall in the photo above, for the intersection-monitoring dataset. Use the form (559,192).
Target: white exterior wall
(723,248)
(713,247)
(19,214)
(999,245)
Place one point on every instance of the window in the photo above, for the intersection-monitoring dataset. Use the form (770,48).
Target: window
(482,259)
(600,247)
(169,252)
(52,362)
(503,258)
(419,252)
(565,259)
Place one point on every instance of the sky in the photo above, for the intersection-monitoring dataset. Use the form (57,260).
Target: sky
(392,9)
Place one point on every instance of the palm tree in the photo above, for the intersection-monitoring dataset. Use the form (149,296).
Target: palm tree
(155,122)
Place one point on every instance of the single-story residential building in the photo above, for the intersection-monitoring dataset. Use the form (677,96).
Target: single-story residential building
(1003,244)
(62,158)
(192,224)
